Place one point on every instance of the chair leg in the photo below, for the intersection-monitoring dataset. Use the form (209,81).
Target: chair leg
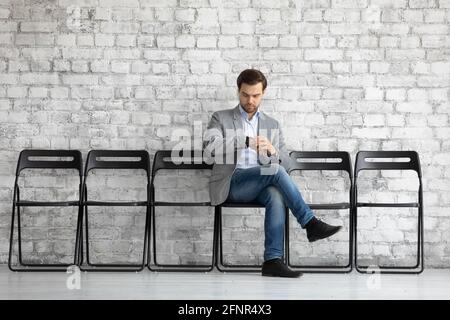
(350,249)
(286,237)
(421,232)
(19,236)
(149,236)
(11,235)
(77,239)
(79,221)
(88,262)
(214,247)
(219,259)
(144,254)
(153,240)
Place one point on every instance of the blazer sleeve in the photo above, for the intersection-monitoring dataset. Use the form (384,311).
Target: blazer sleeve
(216,147)
(279,144)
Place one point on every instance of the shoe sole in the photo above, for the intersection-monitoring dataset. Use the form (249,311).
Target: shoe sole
(315,239)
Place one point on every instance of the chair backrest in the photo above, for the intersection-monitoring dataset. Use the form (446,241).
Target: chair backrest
(163,160)
(26,160)
(94,162)
(343,164)
(413,162)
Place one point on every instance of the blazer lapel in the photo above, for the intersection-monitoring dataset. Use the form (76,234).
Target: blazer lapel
(238,128)
(260,130)
(262,125)
(237,122)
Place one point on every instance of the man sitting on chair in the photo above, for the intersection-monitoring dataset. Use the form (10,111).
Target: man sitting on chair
(251,164)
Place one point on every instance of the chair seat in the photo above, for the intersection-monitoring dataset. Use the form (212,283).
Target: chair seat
(181,204)
(116,203)
(242,205)
(391,205)
(329,206)
(27,203)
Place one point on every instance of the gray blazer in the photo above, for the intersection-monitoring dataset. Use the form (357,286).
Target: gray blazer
(224,141)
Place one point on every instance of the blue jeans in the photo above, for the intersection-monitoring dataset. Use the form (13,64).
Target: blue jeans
(274,191)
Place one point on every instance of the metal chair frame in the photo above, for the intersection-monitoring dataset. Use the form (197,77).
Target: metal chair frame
(163,161)
(23,163)
(413,164)
(343,165)
(93,162)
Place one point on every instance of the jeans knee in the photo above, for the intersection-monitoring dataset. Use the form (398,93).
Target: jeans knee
(274,196)
(280,172)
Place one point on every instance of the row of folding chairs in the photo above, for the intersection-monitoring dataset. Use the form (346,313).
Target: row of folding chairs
(120,159)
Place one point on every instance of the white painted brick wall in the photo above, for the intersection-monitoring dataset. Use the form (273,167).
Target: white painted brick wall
(343,75)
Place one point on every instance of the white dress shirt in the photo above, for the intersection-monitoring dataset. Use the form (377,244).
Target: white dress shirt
(249,157)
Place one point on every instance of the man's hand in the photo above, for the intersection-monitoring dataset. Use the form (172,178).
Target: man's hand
(253,143)
(263,145)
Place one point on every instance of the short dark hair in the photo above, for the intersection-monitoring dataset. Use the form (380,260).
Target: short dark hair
(251,77)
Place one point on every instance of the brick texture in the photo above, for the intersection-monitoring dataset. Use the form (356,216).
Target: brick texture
(116,74)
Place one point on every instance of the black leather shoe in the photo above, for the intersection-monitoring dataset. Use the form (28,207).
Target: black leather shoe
(316,230)
(276,268)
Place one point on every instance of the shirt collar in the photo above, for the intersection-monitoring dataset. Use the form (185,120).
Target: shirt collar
(244,114)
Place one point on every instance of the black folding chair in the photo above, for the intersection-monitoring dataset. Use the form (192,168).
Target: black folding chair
(344,164)
(26,162)
(163,161)
(412,164)
(95,160)
(228,267)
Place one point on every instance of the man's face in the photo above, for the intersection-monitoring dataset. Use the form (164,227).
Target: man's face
(250,97)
